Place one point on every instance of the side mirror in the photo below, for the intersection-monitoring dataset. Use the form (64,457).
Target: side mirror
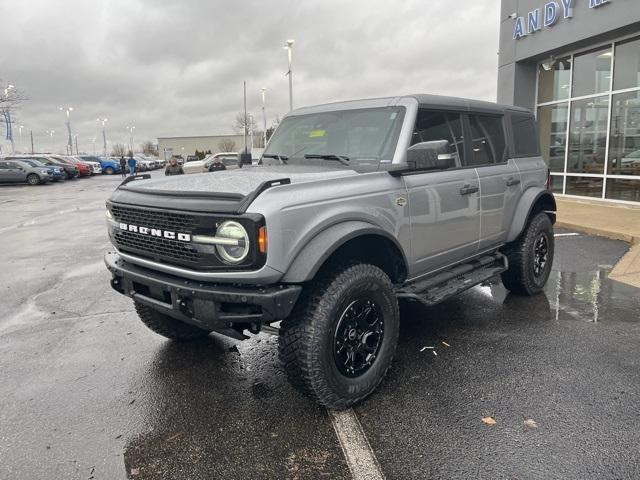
(432,155)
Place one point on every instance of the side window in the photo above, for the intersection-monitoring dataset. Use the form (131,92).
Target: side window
(432,125)
(525,138)
(488,145)
(4,166)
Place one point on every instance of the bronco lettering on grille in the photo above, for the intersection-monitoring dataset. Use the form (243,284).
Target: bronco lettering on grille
(154,232)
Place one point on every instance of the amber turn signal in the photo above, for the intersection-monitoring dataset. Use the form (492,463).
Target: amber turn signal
(262,240)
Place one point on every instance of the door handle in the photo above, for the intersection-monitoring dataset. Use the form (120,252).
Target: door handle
(511,181)
(468,189)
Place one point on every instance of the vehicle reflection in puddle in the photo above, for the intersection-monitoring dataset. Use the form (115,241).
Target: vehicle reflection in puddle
(592,296)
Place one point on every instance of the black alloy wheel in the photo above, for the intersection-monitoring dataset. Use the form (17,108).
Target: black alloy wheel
(358,337)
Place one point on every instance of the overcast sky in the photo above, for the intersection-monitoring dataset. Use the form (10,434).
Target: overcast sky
(176,68)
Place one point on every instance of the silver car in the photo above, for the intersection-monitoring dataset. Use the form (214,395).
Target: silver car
(18,171)
(354,207)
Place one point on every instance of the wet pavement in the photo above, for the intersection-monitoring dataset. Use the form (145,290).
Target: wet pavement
(88,392)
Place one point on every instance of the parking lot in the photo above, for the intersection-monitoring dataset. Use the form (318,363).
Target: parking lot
(88,392)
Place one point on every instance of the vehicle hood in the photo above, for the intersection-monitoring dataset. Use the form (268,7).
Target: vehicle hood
(221,191)
(239,181)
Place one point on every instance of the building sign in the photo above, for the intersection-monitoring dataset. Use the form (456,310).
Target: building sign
(548,16)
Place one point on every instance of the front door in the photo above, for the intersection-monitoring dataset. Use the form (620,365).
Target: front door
(11,172)
(444,205)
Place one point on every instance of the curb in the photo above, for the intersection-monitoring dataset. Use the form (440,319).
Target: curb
(601,232)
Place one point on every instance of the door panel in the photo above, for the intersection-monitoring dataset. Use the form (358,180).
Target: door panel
(445,218)
(500,190)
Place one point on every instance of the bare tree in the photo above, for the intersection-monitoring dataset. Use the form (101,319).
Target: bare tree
(227,145)
(240,123)
(118,150)
(11,98)
(149,148)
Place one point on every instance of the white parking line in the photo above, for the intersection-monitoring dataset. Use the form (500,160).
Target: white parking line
(357,451)
(566,235)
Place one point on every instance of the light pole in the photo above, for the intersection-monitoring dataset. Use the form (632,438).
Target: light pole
(20,127)
(7,117)
(50,133)
(93,140)
(131,129)
(104,135)
(75,138)
(68,111)
(289,47)
(263,92)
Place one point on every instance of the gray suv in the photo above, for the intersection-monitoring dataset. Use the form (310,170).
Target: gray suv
(352,207)
(21,171)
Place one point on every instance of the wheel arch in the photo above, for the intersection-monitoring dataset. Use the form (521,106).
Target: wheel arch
(348,241)
(532,202)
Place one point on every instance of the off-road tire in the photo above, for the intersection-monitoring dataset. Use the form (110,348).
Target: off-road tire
(33,179)
(306,344)
(520,277)
(167,326)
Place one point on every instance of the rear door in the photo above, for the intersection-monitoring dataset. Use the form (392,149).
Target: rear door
(444,205)
(500,186)
(12,172)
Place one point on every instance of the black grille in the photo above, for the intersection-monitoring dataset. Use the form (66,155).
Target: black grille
(155,247)
(176,222)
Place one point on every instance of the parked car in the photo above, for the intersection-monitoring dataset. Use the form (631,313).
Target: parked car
(95,166)
(108,166)
(145,164)
(84,169)
(230,160)
(19,171)
(70,170)
(193,164)
(56,172)
(355,206)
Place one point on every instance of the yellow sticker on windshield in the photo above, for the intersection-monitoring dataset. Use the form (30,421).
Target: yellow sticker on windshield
(317,133)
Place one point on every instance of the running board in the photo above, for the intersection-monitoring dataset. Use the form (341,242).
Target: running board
(443,285)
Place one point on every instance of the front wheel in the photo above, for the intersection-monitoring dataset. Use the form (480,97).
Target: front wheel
(339,341)
(530,257)
(108,171)
(33,179)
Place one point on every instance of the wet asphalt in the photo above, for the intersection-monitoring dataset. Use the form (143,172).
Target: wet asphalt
(87,392)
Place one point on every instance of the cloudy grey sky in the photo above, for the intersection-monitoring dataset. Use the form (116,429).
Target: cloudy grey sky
(176,68)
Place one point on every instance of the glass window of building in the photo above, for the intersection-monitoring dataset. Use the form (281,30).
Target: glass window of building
(585,186)
(622,189)
(624,143)
(592,72)
(554,81)
(588,135)
(552,122)
(627,65)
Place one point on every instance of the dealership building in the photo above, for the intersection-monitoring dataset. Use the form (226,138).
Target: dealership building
(576,63)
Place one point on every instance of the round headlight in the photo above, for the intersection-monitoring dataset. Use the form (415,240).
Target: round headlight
(233,231)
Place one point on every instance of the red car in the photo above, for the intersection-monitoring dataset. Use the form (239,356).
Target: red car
(84,169)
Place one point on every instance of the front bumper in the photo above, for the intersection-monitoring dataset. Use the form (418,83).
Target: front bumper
(207,305)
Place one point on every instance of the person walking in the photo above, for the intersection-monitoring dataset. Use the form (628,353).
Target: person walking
(174,168)
(123,166)
(217,165)
(131,162)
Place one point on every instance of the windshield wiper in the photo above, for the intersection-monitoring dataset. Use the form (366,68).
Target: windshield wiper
(329,156)
(280,158)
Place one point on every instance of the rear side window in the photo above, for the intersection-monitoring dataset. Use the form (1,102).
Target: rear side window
(488,145)
(525,138)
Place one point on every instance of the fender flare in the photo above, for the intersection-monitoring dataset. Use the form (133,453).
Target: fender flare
(317,250)
(525,206)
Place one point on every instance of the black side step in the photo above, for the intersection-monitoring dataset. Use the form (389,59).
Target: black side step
(445,284)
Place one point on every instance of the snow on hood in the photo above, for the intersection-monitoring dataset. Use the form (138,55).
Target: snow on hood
(239,181)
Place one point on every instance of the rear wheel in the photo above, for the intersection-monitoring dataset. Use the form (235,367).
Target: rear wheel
(33,179)
(340,340)
(530,257)
(167,326)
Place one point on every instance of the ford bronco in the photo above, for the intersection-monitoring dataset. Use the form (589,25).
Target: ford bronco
(352,207)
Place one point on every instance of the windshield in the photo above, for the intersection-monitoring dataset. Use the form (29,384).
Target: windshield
(361,137)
